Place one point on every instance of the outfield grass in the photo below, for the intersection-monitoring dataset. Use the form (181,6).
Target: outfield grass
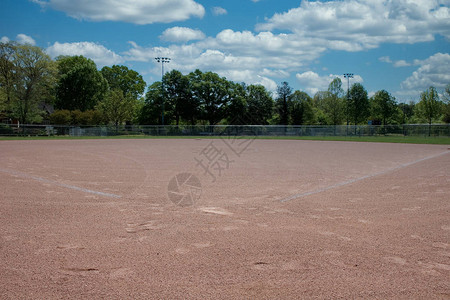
(373,139)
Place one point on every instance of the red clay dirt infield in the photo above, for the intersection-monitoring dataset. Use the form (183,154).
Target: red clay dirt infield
(90,219)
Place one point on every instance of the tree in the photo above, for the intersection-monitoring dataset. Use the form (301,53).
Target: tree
(429,107)
(151,112)
(80,85)
(447,104)
(359,106)
(259,104)
(383,106)
(129,81)
(335,104)
(178,96)
(237,113)
(301,109)
(406,111)
(33,79)
(284,92)
(213,94)
(118,108)
(7,72)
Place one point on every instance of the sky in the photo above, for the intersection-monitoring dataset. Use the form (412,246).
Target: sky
(401,46)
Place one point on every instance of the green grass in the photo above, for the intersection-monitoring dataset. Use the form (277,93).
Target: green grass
(373,139)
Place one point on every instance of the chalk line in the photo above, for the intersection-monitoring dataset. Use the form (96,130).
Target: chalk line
(301,195)
(68,186)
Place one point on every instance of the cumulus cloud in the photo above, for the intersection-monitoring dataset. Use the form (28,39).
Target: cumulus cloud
(397,64)
(131,11)
(21,39)
(433,71)
(289,41)
(98,53)
(196,56)
(182,34)
(313,82)
(356,25)
(217,11)
(25,39)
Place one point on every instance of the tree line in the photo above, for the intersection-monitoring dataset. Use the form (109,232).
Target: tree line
(31,83)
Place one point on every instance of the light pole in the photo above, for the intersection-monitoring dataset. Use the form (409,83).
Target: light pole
(162,60)
(348,76)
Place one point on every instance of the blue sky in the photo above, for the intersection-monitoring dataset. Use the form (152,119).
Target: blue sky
(401,46)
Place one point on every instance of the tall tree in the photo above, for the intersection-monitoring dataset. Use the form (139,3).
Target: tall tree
(359,106)
(80,86)
(151,112)
(429,107)
(129,81)
(32,82)
(259,104)
(7,72)
(237,113)
(383,106)
(406,111)
(178,96)
(118,108)
(447,104)
(284,92)
(301,109)
(213,94)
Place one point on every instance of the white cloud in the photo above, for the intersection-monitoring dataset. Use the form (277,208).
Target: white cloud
(131,11)
(433,71)
(187,58)
(385,59)
(98,53)
(397,64)
(401,63)
(181,34)
(21,38)
(355,25)
(217,11)
(314,83)
(25,39)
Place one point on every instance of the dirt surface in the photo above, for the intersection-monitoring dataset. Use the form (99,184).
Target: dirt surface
(273,219)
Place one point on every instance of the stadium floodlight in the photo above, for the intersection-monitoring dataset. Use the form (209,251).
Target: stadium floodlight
(162,60)
(348,76)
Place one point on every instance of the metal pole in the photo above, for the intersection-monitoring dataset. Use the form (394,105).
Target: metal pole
(162,60)
(348,76)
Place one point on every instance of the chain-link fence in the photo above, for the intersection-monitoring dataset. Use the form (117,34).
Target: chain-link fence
(217,130)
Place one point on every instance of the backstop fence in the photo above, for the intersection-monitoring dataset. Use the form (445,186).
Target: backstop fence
(234,130)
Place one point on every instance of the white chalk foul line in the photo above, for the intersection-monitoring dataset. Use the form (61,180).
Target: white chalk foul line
(301,195)
(68,186)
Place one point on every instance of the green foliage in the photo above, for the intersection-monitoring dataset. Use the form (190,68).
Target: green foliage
(284,92)
(118,108)
(129,81)
(61,117)
(430,107)
(237,108)
(212,93)
(358,104)
(405,112)
(76,117)
(259,105)
(151,111)
(80,86)
(446,117)
(179,101)
(301,109)
(383,107)
(32,81)
(7,74)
